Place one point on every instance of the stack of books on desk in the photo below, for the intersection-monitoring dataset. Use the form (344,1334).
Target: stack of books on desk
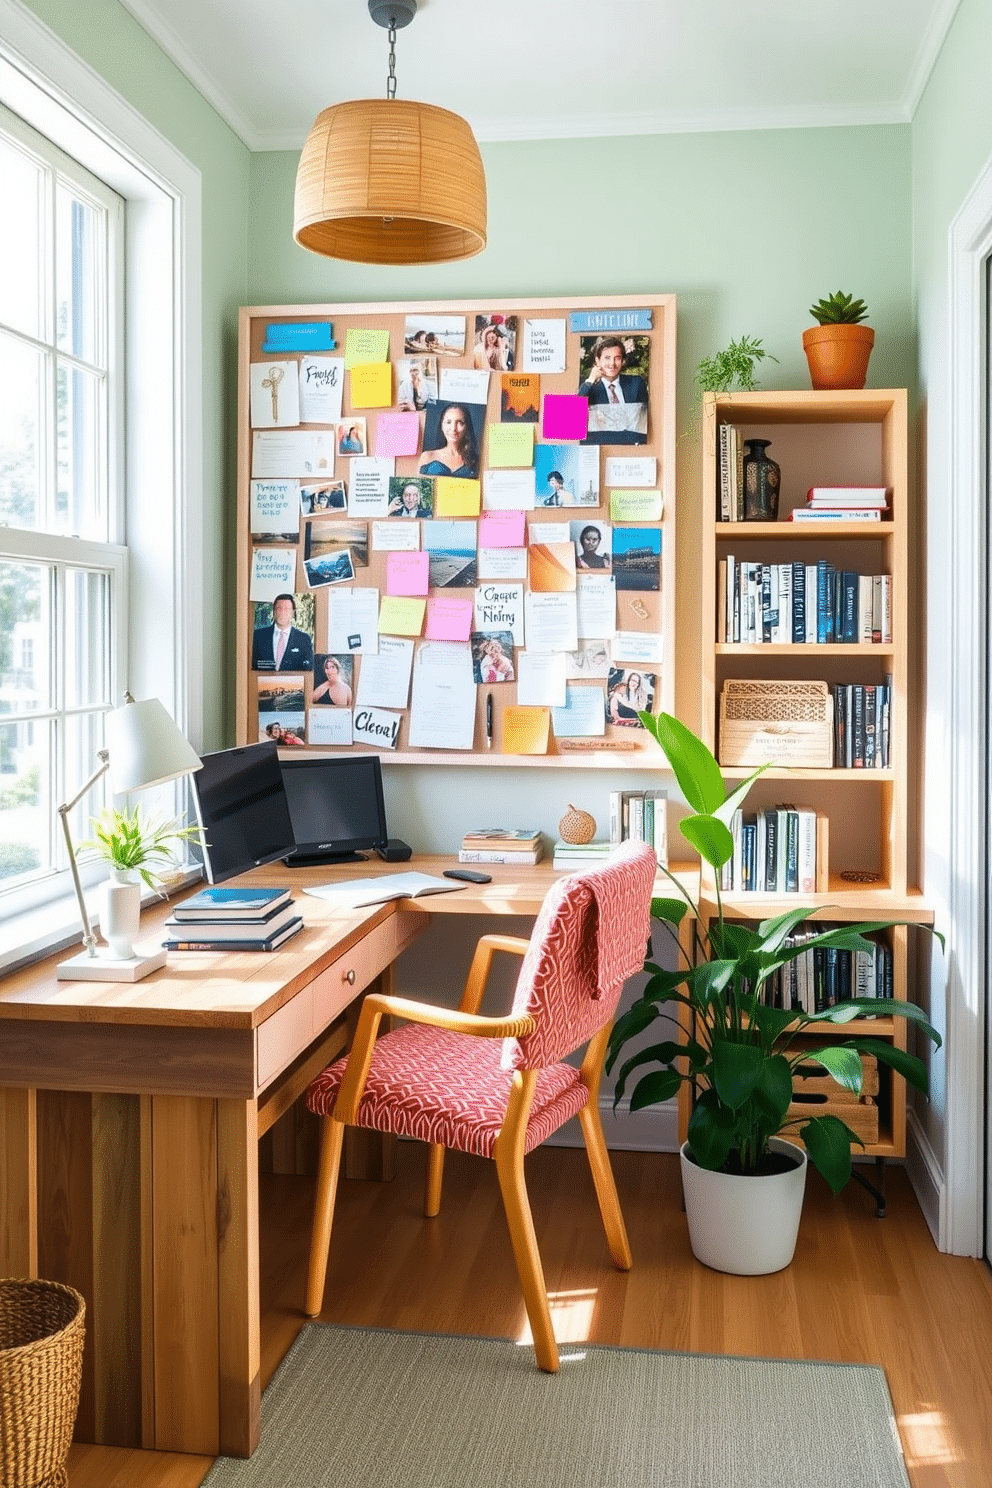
(573,855)
(514,846)
(219,919)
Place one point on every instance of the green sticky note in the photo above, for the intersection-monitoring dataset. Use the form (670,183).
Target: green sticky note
(364,345)
(635,506)
(511,444)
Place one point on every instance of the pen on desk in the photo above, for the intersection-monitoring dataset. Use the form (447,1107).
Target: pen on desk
(489,720)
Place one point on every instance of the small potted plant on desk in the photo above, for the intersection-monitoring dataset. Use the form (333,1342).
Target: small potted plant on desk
(134,846)
(743,1183)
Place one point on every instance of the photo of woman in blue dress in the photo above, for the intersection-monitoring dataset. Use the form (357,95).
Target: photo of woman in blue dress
(457,429)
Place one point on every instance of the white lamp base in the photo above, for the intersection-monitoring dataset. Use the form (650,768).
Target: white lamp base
(84,968)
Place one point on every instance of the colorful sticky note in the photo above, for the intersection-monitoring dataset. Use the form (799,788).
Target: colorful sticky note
(448,619)
(372,385)
(362,344)
(511,444)
(525,730)
(407,573)
(635,506)
(397,434)
(501,529)
(456,498)
(565,416)
(401,616)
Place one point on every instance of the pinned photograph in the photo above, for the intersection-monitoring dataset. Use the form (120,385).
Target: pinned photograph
(328,539)
(274,395)
(451,554)
(566,475)
(350,437)
(453,439)
(592,545)
(495,344)
(637,557)
(519,398)
(329,568)
(629,693)
(437,335)
(280,710)
(613,376)
(282,637)
(333,681)
(492,656)
(411,496)
(323,496)
(417,383)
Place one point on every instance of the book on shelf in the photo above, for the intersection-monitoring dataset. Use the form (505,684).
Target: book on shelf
(641,816)
(516,838)
(777,850)
(818,496)
(193,940)
(207,928)
(509,857)
(729,474)
(217,902)
(801,604)
(835,514)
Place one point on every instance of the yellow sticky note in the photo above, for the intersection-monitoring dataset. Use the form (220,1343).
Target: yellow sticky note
(635,506)
(400,616)
(511,444)
(372,385)
(362,344)
(457,498)
(525,730)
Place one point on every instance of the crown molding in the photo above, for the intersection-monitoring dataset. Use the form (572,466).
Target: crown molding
(925,60)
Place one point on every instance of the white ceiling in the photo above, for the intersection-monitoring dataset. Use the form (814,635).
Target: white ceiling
(547,69)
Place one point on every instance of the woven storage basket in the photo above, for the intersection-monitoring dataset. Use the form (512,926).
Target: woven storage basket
(41,1361)
(776,723)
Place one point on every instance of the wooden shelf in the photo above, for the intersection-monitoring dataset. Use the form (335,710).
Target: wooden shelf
(835,773)
(807,650)
(832,528)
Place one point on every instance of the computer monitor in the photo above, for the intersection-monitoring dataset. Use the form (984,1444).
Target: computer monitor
(336,807)
(242,808)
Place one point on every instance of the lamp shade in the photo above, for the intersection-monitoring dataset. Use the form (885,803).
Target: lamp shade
(389,181)
(145,747)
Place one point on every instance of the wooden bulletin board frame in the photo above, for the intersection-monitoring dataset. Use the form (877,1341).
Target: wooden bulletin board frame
(630,746)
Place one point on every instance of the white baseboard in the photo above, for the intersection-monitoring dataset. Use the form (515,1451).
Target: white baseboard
(653,1130)
(927,1178)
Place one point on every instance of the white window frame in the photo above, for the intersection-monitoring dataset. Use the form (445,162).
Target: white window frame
(56,93)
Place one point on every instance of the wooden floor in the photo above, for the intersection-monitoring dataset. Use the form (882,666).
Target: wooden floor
(859,1289)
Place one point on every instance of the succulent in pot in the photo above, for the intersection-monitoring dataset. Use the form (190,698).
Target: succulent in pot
(838,347)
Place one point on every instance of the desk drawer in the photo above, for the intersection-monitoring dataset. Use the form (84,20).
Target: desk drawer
(295,1025)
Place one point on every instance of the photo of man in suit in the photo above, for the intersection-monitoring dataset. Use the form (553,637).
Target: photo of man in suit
(281,647)
(623,394)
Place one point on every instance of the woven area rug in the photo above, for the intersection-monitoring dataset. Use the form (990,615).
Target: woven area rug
(369,1408)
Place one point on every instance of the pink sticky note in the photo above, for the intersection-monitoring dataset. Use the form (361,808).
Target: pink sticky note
(501,529)
(397,434)
(407,573)
(448,619)
(566,416)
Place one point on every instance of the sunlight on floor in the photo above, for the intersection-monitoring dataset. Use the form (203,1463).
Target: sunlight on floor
(926,1440)
(571,1316)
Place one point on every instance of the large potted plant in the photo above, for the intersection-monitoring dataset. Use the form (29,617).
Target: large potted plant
(838,347)
(743,1054)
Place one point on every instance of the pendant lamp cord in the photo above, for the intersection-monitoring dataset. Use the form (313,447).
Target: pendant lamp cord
(391,79)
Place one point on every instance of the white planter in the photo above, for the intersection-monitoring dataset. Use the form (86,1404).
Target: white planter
(120,915)
(747,1226)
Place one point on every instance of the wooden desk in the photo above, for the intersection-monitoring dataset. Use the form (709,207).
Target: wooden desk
(129,1121)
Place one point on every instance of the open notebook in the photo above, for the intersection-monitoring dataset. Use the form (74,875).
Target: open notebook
(352,893)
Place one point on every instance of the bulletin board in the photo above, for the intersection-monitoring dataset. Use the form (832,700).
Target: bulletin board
(456,528)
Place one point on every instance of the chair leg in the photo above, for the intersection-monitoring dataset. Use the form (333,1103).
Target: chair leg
(331,1140)
(606,1189)
(435,1172)
(509,1155)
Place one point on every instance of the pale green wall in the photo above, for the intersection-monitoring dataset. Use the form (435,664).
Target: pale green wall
(107,37)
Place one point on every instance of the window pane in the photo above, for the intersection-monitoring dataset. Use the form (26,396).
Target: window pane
(21,422)
(25,638)
(26,810)
(21,255)
(83,737)
(77,501)
(78,274)
(87,638)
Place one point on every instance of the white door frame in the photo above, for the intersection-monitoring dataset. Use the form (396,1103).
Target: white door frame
(962,1228)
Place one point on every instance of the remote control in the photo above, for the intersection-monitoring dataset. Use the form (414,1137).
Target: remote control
(468,874)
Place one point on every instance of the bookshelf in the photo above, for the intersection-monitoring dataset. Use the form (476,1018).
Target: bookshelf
(824,438)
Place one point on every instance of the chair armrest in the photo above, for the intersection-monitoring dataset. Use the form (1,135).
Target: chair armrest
(478,972)
(378,1005)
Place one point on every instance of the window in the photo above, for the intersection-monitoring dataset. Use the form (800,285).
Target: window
(63,566)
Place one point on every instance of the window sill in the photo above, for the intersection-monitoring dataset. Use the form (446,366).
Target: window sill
(56,926)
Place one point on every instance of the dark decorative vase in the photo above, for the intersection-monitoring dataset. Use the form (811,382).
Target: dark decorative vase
(761,482)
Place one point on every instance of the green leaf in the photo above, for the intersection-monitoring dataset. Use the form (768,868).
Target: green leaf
(709,837)
(672,911)
(709,979)
(659,1086)
(828,1142)
(710,1133)
(737,1069)
(773,1092)
(664,1053)
(771,1022)
(725,811)
(913,1070)
(840,1062)
(696,771)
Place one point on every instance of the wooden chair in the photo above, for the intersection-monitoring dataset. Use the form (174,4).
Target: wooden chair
(496,1086)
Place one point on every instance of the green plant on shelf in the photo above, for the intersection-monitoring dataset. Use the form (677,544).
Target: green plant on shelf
(732,369)
(839,309)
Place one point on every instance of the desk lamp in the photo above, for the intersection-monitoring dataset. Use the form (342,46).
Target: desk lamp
(144,748)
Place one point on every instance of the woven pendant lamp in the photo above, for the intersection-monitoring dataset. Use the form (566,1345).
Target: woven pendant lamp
(389,181)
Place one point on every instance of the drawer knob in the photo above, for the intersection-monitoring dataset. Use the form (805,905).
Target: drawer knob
(349,977)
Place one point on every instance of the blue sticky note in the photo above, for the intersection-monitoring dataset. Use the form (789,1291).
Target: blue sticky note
(298,335)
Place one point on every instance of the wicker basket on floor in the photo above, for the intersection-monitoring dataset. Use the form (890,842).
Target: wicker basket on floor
(41,1360)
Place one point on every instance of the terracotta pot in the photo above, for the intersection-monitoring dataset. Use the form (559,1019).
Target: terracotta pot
(838,354)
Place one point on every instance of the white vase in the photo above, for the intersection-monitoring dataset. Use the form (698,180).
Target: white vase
(746,1226)
(120,914)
